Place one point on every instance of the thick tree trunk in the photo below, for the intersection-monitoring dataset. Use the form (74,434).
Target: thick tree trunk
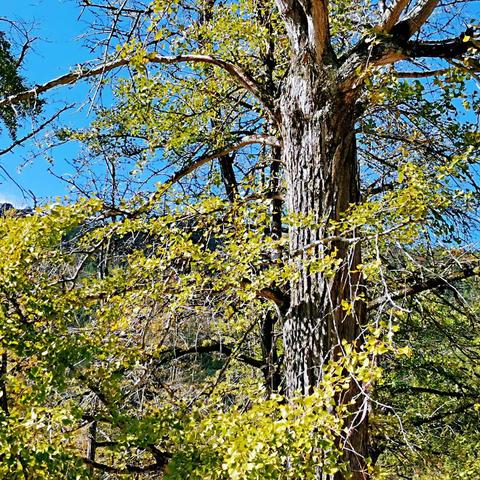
(322,181)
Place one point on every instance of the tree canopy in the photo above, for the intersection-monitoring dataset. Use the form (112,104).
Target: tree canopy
(267,266)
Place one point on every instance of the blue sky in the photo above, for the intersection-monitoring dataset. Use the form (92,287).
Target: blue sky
(58,27)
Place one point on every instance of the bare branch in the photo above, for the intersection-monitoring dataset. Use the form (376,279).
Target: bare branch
(113,8)
(80,73)
(424,74)
(18,142)
(23,52)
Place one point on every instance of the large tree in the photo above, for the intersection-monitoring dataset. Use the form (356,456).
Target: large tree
(350,110)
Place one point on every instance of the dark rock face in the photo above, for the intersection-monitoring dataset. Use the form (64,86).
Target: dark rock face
(16,212)
(4,207)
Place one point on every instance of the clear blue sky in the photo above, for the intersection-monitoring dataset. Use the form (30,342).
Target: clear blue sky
(57,26)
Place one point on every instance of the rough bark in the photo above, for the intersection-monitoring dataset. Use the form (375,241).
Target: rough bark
(3,386)
(319,154)
(228,176)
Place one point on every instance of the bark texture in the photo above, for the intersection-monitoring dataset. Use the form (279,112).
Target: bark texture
(322,181)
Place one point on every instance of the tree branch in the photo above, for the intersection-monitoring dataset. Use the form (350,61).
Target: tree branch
(392,14)
(393,49)
(38,129)
(113,8)
(467,271)
(423,74)
(261,139)
(307,26)
(154,467)
(175,354)
(417,17)
(320,29)
(434,391)
(440,416)
(82,72)
(3,387)
(451,48)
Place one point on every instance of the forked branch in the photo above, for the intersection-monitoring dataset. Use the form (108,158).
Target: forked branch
(412,22)
(307,26)
(419,15)
(319,31)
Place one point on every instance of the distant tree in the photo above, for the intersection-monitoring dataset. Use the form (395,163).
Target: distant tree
(12,83)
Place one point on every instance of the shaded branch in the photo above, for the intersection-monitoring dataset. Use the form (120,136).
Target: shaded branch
(440,416)
(467,271)
(434,391)
(451,48)
(154,467)
(277,297)
(3,386)
(175,354)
